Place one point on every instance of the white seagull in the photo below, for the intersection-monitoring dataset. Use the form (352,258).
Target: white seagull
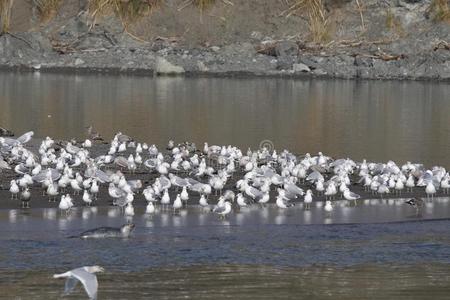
(87,277)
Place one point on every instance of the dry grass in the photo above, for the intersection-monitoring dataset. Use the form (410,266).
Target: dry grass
(127,10)
(440,10)
(393,24)
(47,9)
(203,4)
(5,15)
(317,18)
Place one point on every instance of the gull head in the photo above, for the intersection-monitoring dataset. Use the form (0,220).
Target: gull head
(95,269)
(127,228)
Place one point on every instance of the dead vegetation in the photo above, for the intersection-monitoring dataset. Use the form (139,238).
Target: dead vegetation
(393,24)
(318,22)
(439,10)
(5,15)
(127,10)
(202,5)
(442,45)
(46,9)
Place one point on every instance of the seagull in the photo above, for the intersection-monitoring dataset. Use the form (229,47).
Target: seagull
(52,191)
(177,204)
(308,199)
(223,210)
(25,196)
(94,188)
(129,210)
(165,200)
(430,189)
(184,195)
(14,189)
(348,195)
(87,144)
(150,209)
(241,201)
(75,186)
(87,277)
(399,186)
(264,199)
(328,207)
(203,202)
(383,189)
(87,198)
(445,184)
(283,203)
(64,204)
(410,183)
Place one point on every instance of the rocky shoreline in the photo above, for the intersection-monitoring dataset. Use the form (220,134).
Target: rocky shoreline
(232,60)
(71,45)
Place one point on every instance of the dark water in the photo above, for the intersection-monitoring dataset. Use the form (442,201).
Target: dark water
(250,256)
(358,119)
(255,254)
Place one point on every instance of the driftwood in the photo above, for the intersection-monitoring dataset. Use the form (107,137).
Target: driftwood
(357,43)
(63,47)
(442,45)
(268,48)
(172,39)
(384,56)
(70,46)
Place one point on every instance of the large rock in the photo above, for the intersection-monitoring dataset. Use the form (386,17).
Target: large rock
(298,68)
(286,48)
(165,67)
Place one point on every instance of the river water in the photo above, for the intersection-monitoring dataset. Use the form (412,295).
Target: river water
(261,253)
(256,253)
(377,120)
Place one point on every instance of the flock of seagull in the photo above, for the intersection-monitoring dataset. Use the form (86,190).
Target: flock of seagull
(232,177)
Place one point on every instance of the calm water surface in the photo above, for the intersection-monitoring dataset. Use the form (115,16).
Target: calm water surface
(359,119)
(255,254)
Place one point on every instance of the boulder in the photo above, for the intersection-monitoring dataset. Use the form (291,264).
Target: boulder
(286,48)
(165,67)
(298,68)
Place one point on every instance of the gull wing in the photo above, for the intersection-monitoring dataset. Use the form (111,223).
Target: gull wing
(354,195)
(314,176)
(101,176)
(121,201)
(8,142)
(165,182)
(4,165)
(88,280)
(71,283)
(255,193)
(192,181)
(121,161)
(26,137)
(219,209)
